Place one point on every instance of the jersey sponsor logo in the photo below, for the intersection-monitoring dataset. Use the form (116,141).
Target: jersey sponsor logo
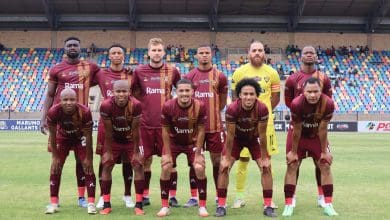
(204,94)
(310,125)
(119,118)
(245,130)
(121,129)
(185,119)
(74,86)
(154,91)
(184,130)
(71,131)
(68,122)
(244,120)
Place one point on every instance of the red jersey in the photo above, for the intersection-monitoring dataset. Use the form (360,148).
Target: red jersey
(77,76)
(105,78)
(294,85)
(70,126)
(183,122)
(246,120)
(208,86)
(121,117)
(311,114)
(155,85)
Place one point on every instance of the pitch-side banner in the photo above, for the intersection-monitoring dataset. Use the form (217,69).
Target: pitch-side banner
(339,126)
(27,125)
(374,126)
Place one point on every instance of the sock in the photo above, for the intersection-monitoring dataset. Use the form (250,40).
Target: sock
(106,189)
(55,181)
(193,184)
(164,186)
(289,190)
(90,181)
(328,193)
(202,188)
(173,188)
(100,178)
(215,175)
(267,196)
(222,193)
(148,175)
(127,173)
(80,179)
(318,179)
(241,175)
(139,189)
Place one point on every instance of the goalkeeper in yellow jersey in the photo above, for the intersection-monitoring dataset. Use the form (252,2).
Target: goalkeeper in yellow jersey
(269,81)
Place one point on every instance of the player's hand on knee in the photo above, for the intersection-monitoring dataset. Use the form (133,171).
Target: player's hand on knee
(199,161)
(56,166)
(137,160)
(265,162)
(107,157)
(291,157)
(44,127)
(166,161)
(326,157)
(87,166)
(225,164)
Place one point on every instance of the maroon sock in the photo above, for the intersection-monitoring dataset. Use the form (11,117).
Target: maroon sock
(222,193)
(192,178)
(202,189)
(100,178)
(267,196)
(90,181)
(106,187)
(328,190)
(148,175)
(289,191)
(173,181)
(127,173)
(318,176)
(215,175)
(139,186)
(80,174)
(164,186)
(55,181)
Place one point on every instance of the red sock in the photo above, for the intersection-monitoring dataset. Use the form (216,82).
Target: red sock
(139,189)
(267,196)
(289,190)
(222,193)
(147,175)
(328,192)
(127,173)
(320,191)
(106,187)
(202,189)
(90,181)
(173,188)
(54,200)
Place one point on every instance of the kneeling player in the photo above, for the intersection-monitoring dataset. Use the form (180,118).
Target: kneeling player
(70,127)
(183,131)
(311,113)
(121,115)
(246,122)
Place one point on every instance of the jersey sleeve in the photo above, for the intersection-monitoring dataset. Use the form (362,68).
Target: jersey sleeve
(329,109)
(231,114)
(94,72)
(52,117)
(135,83)
(165,117)
(176,76)
(87,119)
(295,109)
(275,81)
(53,75)
(137,109)
(289,91)
(262,113)
(223,85)
(105,110)
(327,87)
(202,117)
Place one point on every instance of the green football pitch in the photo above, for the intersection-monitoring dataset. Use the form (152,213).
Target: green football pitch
(361,175)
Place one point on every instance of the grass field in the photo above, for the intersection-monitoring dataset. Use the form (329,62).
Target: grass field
(360,169)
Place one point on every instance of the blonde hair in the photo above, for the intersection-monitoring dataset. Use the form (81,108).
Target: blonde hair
(155,41)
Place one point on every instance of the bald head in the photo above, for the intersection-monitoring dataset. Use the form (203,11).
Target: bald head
(69,93)
(121,85)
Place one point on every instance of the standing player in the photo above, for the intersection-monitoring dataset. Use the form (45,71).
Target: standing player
(183,131)
(211,88)
(121,115)
(152,85)
(311,113)
(246,122)
(70,127)
(75,74)
(294,88)
(105,78)
(269,82)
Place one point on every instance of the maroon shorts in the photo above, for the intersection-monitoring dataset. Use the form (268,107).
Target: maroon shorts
(100,138)
(253,147)
(215,142)
(64,146)
(187,150)
(151,140)
(307,147)
(121,151)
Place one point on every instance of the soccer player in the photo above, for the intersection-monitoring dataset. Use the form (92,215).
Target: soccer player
(294,88)
(269,81)
(211,88)
(105,79)
(152,85)
(121,115)
(70,127)
(183,131)
(246,122)
(75,74)
(311,113)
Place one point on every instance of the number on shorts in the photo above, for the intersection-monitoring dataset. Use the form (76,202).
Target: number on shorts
(83,141)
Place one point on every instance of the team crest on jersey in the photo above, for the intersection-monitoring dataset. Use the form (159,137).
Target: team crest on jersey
(266,79)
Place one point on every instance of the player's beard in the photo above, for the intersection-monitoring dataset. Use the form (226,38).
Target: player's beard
(73,55)
(256,62)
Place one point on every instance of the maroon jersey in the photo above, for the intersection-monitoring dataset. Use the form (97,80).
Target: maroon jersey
(70,126)
(294,85)
(121,117)
(183,122)
(311,114)
(77,76)
(105,78)
(155,85)
(209,85)
(246,120)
